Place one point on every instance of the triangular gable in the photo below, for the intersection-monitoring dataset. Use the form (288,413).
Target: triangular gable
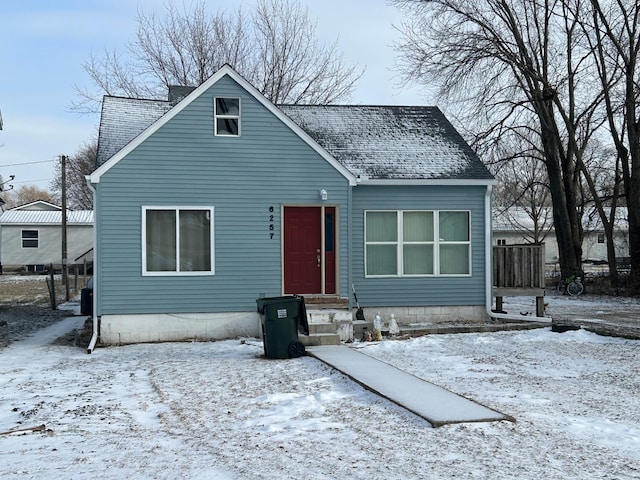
(38,205)
(226,70)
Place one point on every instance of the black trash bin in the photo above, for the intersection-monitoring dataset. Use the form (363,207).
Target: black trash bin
(281,319)
(86,299)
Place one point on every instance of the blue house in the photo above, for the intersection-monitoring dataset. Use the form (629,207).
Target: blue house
(209,200)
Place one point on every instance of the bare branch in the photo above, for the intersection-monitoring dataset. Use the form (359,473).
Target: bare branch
(275,49)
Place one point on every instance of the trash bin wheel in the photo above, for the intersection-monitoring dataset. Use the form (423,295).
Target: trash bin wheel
(296,349)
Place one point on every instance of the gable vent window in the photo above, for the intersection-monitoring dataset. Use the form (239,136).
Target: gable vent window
(227,116)
(30,238)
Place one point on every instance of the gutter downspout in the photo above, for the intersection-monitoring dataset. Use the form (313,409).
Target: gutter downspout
(488,269)
(349,244)
(94,336)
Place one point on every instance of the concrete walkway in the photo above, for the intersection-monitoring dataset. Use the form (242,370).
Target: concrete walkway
(435,404)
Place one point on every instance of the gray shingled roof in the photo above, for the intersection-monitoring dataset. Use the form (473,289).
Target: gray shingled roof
(374,142)
(123,119)
(390,142)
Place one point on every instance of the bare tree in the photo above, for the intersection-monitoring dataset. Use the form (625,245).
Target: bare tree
(602,174)
(275,48)
(82,163)
(521,195)
(523,199)
(615,34)
(291,66)
(28,194)
(520,67)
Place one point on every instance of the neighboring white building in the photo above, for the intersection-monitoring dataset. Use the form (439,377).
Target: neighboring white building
(514,226)
(32,236)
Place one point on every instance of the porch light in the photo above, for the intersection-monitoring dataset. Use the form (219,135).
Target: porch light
(323,194)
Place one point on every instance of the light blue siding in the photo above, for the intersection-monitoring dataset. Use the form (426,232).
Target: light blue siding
(420,291)
(184,164)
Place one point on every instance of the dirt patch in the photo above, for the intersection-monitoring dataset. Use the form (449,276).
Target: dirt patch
(25,306)
(77,338)
(18,321)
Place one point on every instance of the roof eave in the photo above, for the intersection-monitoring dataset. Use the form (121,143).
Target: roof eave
(426,181)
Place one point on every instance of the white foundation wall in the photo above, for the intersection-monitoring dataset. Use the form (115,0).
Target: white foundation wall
(439,314)
(124,329)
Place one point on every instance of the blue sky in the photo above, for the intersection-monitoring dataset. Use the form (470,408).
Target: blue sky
(43,45)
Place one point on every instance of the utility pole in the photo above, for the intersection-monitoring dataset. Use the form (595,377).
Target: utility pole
(65,268)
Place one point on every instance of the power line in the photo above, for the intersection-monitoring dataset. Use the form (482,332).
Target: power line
(25,163)
(32,181)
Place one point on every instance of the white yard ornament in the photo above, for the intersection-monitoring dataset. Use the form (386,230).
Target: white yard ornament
(393,326)
(377,327)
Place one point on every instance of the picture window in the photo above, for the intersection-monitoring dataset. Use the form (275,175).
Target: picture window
(417,243)
(178,240)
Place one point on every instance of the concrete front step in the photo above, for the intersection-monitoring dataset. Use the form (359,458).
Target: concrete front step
(326,301)
(328,315)
(322,328)
(331,321)
(344,330)
(319,339)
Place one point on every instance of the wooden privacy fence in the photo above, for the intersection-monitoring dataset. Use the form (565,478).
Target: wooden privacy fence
(518,270)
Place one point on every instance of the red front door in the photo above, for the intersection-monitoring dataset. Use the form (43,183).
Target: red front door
(303,250)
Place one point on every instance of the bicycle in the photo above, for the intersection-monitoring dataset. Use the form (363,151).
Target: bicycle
(572,286)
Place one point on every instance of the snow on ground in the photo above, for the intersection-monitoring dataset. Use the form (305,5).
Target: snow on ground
(17,278)
(220,410)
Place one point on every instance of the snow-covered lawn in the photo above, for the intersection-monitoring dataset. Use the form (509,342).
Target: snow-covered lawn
(220,410)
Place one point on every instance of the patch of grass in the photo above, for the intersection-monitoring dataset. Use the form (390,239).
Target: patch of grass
(33,290)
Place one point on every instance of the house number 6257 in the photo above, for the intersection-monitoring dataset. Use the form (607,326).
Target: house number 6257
(271,226)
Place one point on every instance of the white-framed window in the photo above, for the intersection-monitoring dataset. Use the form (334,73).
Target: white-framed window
(30,238)
(226,113)
(178,241)
(501,242)
(417,243)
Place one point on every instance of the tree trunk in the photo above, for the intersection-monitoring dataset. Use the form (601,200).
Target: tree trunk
(567,258)
(614,278)
(633,191)
(565,219)
(633,206)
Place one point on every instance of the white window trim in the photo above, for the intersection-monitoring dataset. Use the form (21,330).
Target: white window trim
(399,242)
(216,117)
(22,239)
(176,273)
